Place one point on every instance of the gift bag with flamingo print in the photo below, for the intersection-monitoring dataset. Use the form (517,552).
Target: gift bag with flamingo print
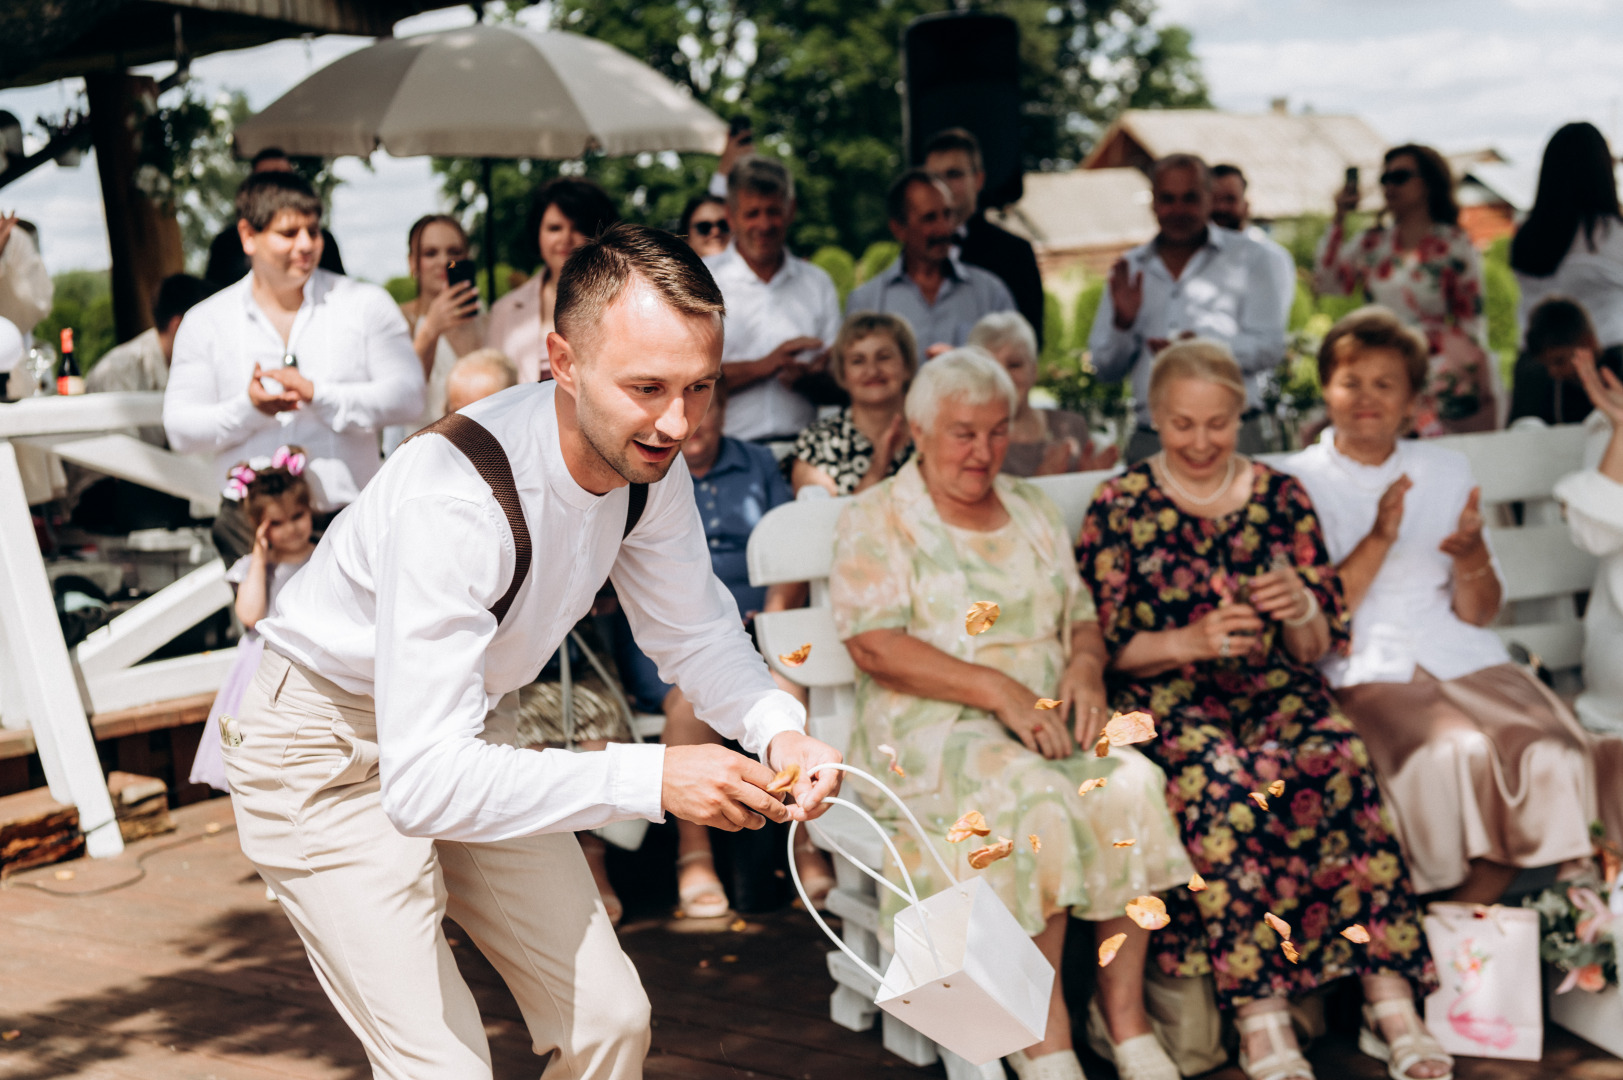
(1489,1004)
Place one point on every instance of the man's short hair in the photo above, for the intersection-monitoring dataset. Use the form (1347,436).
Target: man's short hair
(1220,171)
(952,139)
(600,269)
(896,197)
(270,153)
(1558,322)
(760,176)
(264,195)
(177,294)
(1174,162)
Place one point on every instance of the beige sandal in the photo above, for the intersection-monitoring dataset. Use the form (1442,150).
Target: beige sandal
(1407,1050)
(1286,1061)
(702,899)
(1060,1065)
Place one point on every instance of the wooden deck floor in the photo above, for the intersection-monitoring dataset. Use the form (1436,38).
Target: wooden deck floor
(189,973)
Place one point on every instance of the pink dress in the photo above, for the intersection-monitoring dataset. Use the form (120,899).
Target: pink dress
(208,767)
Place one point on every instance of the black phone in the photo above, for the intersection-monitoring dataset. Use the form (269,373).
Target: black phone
(1352,178)
(460,271)
(739,124)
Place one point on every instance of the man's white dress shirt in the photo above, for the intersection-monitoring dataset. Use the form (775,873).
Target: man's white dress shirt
(1228,292)
(1284,264)
(1407,618)
(799,301)
(351,343)
(394,604)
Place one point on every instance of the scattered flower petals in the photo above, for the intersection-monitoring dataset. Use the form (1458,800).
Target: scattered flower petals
(1123,843)
(1048,703)
(729,959)
(1290,951)
(971,824)
(980,617)
(785,779)
(1356,934)
(1149,912)
(738,926)
(704,963)
(1280,926)
(1126,729)
(1197,883)
(1089,785)
(1035,841)
(1259,798)
(14,1034)
(64,875)
(796,658)
(213,827)
(1277,788)
(1102,747)
(890,752)
(1109,947)
(982,857)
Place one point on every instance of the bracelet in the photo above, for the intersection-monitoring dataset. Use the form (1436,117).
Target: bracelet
(1474,574)
(1312,612)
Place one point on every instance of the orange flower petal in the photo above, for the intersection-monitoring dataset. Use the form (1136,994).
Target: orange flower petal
(1035,842)
(971,824)
(1109,947)
(1048,703)
(890,752)
(1123,843)
(982,857)
(1102,747)
(1125,729)
(1280,926)
(796,658)
(1197,883)
(1277,788)
(785,779)
(1290,952)
(1089,785)
(1149,912)
(980,617)
(1356,934)
(1259,798)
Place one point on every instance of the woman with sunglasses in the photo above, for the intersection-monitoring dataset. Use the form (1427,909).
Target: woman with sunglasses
(1419,263)
(704,225)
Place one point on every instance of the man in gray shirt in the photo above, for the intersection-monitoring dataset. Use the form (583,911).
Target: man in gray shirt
(939,296)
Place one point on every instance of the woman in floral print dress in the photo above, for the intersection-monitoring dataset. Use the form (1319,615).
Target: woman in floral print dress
(1216,597)
(1423,267)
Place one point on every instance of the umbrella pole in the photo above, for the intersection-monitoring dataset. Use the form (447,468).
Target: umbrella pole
(490,232)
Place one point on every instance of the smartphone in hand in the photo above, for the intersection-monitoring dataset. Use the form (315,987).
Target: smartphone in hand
(462,270)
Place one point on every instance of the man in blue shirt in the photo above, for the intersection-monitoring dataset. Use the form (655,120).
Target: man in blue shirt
(939,296)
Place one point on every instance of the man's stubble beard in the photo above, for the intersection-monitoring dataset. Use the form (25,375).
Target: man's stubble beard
(618,456)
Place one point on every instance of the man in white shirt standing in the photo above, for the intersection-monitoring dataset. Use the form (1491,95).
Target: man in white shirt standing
(1192,280)
(1231,210)
(782,312)
(375,789)
(290,355)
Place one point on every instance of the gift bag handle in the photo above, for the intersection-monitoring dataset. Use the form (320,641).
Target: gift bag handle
(911,895)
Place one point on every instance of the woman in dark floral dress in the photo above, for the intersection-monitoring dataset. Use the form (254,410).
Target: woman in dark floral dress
(1216,597)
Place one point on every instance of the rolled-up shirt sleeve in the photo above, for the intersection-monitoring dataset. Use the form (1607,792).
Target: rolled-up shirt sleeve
(393,389)
(684,618)
(438,777)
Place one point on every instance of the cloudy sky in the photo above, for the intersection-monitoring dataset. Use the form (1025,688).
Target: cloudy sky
(1459,74)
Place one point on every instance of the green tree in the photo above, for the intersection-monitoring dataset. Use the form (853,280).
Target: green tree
(819,81)
(84,301)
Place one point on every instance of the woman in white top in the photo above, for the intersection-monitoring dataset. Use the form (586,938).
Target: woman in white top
(445,320)
(1594,503)
(1484,768)
(565,214)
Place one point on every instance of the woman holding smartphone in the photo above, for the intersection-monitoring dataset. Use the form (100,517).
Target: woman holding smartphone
(445,320)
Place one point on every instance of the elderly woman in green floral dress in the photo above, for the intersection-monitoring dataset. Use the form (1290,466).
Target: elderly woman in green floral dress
(961,712)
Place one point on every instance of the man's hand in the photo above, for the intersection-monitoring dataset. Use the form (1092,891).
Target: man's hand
(1126,294)
(266,402)
(793,748)
(295,382)
(714,786)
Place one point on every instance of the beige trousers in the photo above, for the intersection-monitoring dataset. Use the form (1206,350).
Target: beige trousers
(368,902)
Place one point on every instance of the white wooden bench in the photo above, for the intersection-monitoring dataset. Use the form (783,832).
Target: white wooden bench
(795,542)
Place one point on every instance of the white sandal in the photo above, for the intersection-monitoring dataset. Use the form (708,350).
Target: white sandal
(1286,1061)
(1060,1065)
(1407,1050)
(1139,1058)
(702,899)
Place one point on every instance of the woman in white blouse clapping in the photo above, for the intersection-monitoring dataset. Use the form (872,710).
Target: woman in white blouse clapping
(1485,769)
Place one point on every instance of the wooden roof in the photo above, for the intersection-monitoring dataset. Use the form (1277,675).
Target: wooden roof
(1082,210)
(45,40)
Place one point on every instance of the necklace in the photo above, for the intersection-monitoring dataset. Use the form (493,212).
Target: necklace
(1184,493)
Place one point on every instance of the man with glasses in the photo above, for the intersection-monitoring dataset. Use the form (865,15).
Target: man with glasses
(1191,280)
(782,312)
(954,155)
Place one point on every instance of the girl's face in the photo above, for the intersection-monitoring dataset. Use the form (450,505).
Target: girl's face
(559,239)
(438,246)
(875,373)
(288,523)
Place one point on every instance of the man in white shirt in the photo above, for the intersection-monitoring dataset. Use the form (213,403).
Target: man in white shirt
(1192,280)
(290,355)
(1231,210)
(374,788)
(782,312)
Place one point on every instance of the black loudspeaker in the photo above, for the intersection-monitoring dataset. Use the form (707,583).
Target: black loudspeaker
(963,70)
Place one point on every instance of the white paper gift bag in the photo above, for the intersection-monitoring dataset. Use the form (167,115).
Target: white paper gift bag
(964,974)
(1490,1002)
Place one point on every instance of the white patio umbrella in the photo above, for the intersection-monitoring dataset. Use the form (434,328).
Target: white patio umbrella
(487,92)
